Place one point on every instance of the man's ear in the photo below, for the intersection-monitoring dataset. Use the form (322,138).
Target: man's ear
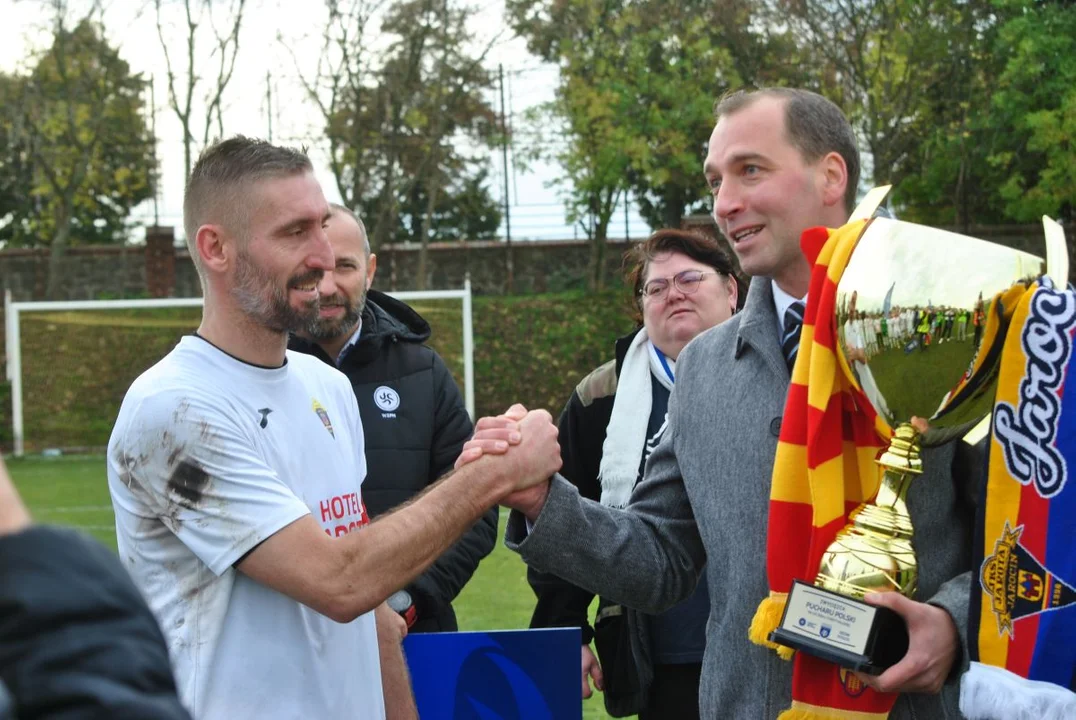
(211,245)
(834,178)
(371,268)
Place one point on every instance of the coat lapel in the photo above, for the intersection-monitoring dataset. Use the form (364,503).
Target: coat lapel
(758,327)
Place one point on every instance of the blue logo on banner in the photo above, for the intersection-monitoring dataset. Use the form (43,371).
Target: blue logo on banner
(824,631)
(507,675)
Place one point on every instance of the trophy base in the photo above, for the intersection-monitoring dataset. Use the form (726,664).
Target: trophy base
(842,630)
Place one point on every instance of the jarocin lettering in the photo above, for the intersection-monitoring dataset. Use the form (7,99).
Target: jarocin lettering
(1027,432)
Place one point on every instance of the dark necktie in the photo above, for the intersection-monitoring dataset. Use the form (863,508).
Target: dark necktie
(790,338)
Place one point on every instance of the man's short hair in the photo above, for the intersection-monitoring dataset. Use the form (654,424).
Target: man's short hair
(338,209)
(815,126)
(223,172)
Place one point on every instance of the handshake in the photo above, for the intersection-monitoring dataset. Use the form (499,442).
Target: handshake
(524,446)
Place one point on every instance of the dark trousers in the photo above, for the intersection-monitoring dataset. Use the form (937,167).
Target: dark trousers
(674,694)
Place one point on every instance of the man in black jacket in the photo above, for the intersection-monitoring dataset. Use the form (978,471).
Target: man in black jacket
(413,416)
(77,640)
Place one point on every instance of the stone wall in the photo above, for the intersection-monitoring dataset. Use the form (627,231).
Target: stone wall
(160,268)
(89,272)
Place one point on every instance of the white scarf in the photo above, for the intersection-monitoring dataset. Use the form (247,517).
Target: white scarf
(993,693)
(625,436)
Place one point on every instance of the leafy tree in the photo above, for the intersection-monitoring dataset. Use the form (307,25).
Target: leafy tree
(16,170)
(1035,103)
(77,132)
(583,129)
(405,125)
(651,71)
(463,211)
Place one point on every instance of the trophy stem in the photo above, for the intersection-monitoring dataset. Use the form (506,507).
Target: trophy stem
(888,514)
(874,551)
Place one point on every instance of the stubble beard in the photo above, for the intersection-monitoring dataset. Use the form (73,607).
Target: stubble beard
(266,303)
(327,329)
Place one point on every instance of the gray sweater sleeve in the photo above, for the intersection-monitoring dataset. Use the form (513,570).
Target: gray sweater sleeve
(647,556)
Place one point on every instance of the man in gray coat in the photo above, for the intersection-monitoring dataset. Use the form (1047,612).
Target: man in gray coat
(779,162)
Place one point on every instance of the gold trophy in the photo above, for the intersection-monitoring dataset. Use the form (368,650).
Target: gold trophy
(911,328)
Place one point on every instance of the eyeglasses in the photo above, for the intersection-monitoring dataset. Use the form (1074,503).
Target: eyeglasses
(686,281)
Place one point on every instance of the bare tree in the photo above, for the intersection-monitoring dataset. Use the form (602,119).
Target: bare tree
(391,116)
(184,77)
(345,71)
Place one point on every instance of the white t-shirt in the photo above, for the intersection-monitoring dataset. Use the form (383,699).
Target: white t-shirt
(209,457)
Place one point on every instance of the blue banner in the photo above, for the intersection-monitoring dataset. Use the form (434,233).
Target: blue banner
(500,675)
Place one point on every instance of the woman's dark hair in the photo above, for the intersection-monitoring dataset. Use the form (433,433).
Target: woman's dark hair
(694,245)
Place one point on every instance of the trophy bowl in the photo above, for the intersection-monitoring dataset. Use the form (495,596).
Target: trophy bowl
(920,334)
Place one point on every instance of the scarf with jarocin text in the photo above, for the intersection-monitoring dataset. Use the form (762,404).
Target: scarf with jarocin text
(1022,615)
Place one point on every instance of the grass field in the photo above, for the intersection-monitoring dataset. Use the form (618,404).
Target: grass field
(72,491)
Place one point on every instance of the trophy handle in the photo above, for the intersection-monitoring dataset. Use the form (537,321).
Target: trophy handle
(870,203)
(1057,252)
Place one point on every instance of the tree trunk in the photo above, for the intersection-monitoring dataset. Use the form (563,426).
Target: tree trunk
(383,227)
(674,206)
(596,266)
(57,249)
(186,154)
(424,235)
(595,269)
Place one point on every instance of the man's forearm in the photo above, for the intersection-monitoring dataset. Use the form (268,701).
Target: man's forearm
(447,576)
(400,545)
(349,576)
(395,679)
(396,684)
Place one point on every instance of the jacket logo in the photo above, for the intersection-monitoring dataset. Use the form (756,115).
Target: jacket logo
(324,416)
(265,417)
(386,398)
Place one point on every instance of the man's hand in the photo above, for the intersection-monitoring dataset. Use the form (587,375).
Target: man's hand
(537,457)
(391,628)
(493,435)
(591,668)
(932,647)
(496,435)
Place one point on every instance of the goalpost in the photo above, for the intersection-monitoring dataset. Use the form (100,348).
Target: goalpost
(56,314)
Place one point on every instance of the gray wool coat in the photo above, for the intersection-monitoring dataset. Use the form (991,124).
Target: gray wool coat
(704,502)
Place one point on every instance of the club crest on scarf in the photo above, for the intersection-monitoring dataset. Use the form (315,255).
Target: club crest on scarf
(1018,584)
(850,682)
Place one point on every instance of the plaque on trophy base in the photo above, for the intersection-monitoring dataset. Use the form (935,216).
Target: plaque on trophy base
(842,630)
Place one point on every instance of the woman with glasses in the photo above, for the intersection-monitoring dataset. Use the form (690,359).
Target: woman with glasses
(682,285)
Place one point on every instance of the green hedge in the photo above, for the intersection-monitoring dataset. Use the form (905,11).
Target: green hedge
(531,349)
(535,349)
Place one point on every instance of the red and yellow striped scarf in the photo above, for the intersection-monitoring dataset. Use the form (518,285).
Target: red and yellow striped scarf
(824,468)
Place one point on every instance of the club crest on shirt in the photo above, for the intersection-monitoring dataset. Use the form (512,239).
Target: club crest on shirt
(324,416)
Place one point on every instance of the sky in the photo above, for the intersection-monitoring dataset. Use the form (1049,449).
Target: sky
(535,208)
